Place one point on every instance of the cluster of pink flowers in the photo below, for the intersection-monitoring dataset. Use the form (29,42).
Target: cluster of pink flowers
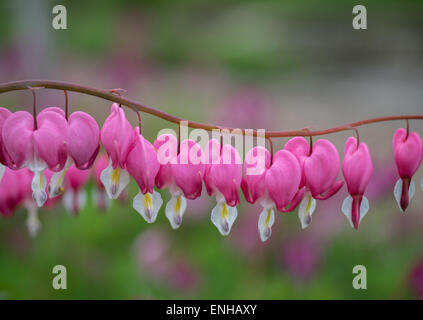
(296,176)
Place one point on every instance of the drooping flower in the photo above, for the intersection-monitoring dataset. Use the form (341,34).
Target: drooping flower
(180,172)
(11,191)
(4,114)
(99,194)
(320,168)
(83,147)
(75,197)
(408,151)
(357,169)
(274,185)
(15,190)
(143,165)
(223,176)
(36,147)
(117,137)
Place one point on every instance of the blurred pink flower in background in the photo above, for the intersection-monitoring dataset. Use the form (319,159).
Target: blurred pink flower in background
(246,108)
(151,249)
(184,276)
(156,262)
(75,197)
(300,258)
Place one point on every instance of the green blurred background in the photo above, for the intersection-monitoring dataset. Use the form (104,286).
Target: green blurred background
(255,64)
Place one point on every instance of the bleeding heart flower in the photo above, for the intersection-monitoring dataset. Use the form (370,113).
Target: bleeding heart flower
(118,139)
(75,197)
(180,172)
(320,168)
(275,186)
(36,148)
(408,150)
(223,176)
(4,114)
(357,168)
(143,165)
(11,191)
(83,147)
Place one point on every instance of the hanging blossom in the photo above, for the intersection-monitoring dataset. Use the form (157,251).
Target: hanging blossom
(274,184)
(357,168)
(99,194)
(143,166)
(222,177)
(36,145)
(11,191)
(117,137)
(75,197)
(319,170)
(4,114)
(181,172)
(408,151)
(15,190)
(83,147)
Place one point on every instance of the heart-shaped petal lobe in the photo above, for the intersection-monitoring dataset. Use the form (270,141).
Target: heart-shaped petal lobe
(227,175)
(357,166)
(142,163)
(84,138)
(283,179)
(189,170)
(117,136)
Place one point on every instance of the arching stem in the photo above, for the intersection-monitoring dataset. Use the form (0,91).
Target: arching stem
(108,95)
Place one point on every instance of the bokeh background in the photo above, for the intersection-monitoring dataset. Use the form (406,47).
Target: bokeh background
(255,64)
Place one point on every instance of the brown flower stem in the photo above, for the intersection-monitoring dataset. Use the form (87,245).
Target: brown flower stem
(106,94)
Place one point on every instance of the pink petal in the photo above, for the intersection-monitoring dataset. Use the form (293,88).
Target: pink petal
(256,163)
(189,170)
(4,114)
(300,148)
(84,137)
(142,164)
(99,165)
(17,136)
(77,178)
(166,146)
(211,156)
(357,166)
(227,175)
(407,152)
(321,168)
(50,138)
(117,136)
(283,179)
